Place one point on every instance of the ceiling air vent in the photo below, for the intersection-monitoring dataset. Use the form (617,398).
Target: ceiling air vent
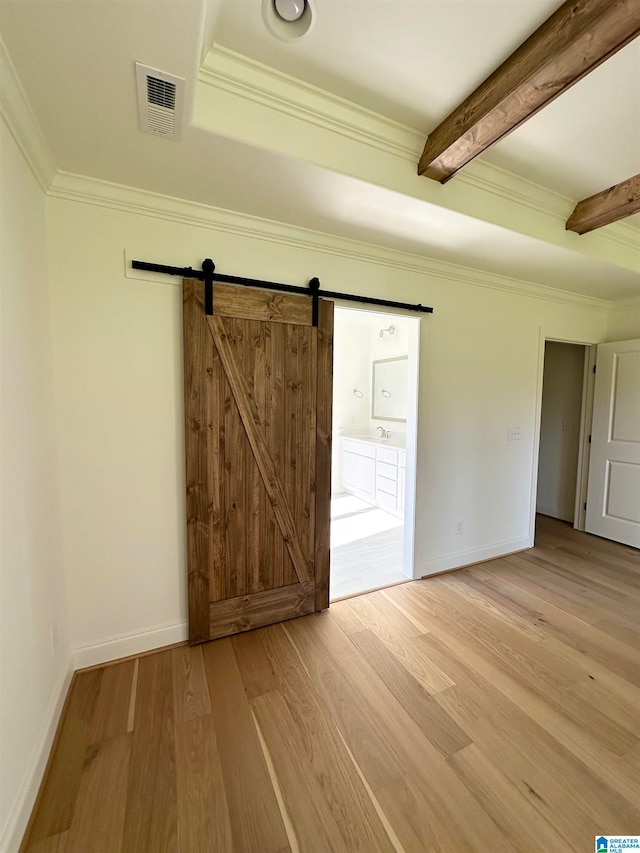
(160,102)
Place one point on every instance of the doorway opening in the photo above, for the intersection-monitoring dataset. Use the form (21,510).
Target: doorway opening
(565,418)
(374,446)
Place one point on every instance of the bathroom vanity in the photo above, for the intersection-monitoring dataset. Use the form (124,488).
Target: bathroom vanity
(374,470)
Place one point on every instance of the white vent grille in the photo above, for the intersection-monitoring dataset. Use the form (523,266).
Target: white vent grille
(160,102)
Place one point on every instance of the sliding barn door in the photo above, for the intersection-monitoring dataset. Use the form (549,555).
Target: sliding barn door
(258,384)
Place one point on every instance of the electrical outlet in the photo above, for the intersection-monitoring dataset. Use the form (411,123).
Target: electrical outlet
(459,527)
(54,637)
(514,434)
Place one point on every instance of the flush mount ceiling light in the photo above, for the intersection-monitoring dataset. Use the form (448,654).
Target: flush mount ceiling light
(288,19)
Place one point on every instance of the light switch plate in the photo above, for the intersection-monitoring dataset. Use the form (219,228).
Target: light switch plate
(514,434)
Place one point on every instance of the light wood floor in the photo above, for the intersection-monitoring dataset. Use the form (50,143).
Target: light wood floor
(496,708)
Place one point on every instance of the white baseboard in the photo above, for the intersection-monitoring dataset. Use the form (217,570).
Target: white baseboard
(475,555)
(124,645)
(13,831)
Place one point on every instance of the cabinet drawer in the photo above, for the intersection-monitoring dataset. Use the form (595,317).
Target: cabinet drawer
(383,484)
(386,470)
(388,454)
(361,448)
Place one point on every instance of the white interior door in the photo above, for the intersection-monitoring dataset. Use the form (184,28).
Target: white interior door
(613,497)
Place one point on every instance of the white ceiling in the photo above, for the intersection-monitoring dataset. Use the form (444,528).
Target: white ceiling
(416,60)
(411,61)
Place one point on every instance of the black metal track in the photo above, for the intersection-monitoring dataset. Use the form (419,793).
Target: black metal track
(208,275)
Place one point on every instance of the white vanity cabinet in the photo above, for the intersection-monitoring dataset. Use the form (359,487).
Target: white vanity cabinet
(375,472)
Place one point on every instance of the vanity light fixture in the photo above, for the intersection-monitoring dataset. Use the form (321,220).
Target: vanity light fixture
(357,393)
(289,19)
(391,330)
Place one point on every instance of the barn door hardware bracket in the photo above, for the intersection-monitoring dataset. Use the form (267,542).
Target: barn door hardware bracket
(208,269)
(314,287)
(208,275)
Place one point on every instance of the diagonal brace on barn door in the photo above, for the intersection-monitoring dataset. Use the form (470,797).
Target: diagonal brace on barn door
(253,427)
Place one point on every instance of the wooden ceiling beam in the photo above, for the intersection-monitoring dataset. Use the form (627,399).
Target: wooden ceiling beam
(608,206)
(578,37)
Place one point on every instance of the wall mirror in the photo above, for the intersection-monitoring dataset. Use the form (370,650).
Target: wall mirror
(389,384)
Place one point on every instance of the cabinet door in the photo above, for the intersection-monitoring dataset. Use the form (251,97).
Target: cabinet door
(359,474)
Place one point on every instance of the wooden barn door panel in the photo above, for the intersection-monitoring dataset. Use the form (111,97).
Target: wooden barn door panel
(258,449)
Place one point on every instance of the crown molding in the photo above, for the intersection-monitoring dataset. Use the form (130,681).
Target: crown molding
(84,190)
(16,111)
(253,81)
(629,302)
(239,75)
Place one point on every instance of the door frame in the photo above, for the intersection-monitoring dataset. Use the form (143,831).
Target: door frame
(411,437)
(586,414)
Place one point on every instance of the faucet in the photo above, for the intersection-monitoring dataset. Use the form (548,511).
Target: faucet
(384,433)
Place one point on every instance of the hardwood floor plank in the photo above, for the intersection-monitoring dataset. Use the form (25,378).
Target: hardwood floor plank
(616,581)
(190,689)
(56,809)
(329,654)
(357,721)
(560,534)
(398,636)
(584,730)
(52,844)
(528,667)
(346,617)
(325,747)
(578,577)
(406,807)
(461,609)
(111,713)
(437,726)
(591,643)
(98,819)
(572,600)
(151,810)
(203,814)
(568,793)
(623,709)
(314,824)
(511,810)
(378,614)
(255,667)
(558,655)
(256,822)
(131,715)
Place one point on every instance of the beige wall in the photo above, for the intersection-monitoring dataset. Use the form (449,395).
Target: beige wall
(33,675)
(560,429)
(118,371)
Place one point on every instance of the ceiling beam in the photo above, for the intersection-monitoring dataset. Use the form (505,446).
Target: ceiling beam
(578,37)
(608,206)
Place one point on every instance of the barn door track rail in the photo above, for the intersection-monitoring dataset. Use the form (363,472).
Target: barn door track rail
(209,275)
